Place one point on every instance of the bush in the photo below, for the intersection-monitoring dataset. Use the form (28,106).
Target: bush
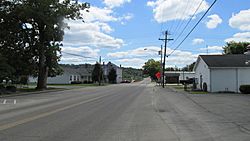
(2,87)
(11,88)
(76,82)
(245,89)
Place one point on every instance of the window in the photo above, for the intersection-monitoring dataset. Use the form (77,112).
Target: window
(70,77)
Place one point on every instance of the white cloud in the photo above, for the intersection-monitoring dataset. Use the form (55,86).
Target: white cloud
(214,21)
(90,34)
(79,55)
(240,37)
(115,3)
(99,14)
(139,56)
(198,41)
(131,62)
(213,48)
(142,51)
(168,10)
(241,20)
(118,54)
(95,30)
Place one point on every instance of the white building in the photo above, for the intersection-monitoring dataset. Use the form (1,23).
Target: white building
(222,73)
(81,73)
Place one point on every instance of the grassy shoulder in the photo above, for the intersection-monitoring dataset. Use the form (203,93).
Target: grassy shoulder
(31,88)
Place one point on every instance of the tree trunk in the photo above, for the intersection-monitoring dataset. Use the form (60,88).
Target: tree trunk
(42,67)
(42,74)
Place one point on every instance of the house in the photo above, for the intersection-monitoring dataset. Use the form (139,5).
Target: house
(176,76)
(106,69)
(222,73)
(81,73)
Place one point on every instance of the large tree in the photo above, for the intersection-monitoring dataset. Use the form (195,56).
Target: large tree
(112,75)
(235,47)
(36,29)
(6,71)
(151,67)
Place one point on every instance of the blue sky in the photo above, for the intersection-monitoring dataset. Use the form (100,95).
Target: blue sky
(126,32)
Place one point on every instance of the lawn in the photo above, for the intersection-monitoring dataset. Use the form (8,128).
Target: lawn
(84,85)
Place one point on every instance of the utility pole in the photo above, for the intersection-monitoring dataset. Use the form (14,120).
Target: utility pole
(164,59)
(100,71)
(161,65)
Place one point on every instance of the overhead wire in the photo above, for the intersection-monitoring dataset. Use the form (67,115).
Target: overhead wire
(182,17)
(77,55)
(189,21)
(192,28)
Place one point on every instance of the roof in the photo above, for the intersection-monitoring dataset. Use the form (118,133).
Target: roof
(181,72)
(81,70)
(230,61)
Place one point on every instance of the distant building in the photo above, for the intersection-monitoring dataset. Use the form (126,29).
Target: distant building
(81,73)
(106,69)
(222,73)
(176,76)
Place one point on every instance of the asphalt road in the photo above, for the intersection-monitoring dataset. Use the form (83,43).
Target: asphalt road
(125,112)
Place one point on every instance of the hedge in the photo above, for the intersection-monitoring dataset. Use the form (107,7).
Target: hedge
(245,89)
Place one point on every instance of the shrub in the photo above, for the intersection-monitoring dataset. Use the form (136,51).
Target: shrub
(11,88)
(76,82)
(245,89)
(2,87)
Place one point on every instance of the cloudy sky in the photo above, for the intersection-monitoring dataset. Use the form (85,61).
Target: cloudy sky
(126,32)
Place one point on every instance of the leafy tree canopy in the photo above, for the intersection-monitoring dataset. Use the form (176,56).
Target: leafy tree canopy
(235,47)
(151,67)
(31,34)
(112,76)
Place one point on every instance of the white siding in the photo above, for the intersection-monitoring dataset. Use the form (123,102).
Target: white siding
(202,70)
(243,76)
(224,80)
(60,79)
(119,75)
(185,75)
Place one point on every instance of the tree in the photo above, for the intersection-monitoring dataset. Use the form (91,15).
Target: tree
(189,67)
(235,47)
(6,71)
(151,67)
(37,26)
(112,76)
(97,73)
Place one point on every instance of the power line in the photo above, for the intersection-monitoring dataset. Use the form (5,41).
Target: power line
(193,28)
(188,22)
(72,54)
(182,18)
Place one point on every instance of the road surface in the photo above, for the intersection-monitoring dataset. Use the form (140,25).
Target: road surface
(124,112)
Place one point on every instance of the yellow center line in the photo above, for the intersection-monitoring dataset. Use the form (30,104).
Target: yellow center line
(29,119)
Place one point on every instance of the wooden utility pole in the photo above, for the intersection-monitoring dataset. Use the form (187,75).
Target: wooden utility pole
(164,59)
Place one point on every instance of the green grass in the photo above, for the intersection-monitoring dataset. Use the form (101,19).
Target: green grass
(35,90)
(84,85)
(178,87)
(197,92)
